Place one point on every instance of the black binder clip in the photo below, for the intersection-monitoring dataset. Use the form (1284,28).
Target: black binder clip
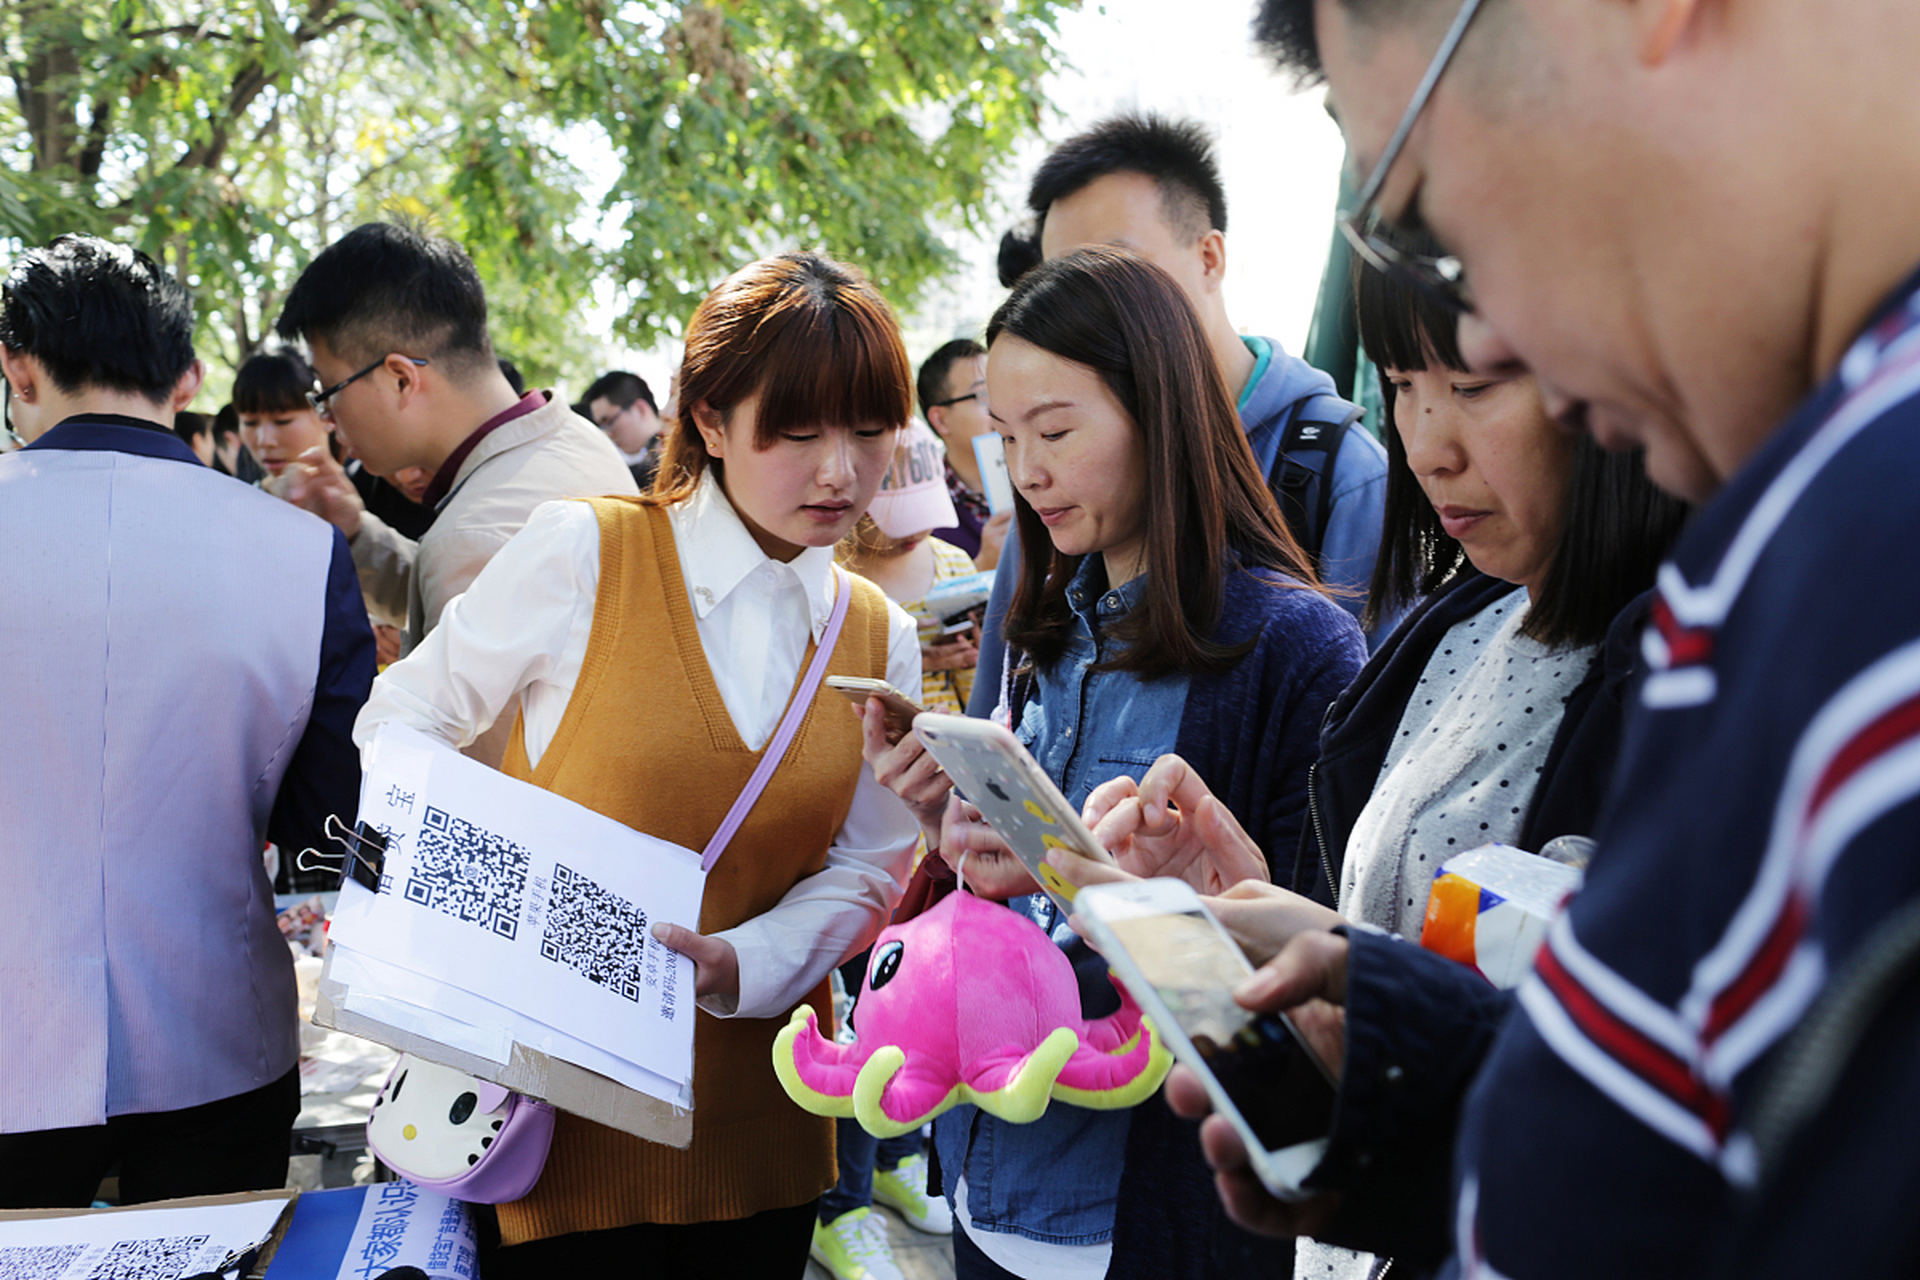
(363,854)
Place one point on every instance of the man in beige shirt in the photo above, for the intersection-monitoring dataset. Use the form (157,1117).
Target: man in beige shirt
(397,324)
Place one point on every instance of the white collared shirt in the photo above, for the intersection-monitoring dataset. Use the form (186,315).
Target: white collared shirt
(522,628)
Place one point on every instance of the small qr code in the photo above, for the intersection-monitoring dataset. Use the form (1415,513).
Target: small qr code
(38,1262)
(468,873)
(597,933)
(162,1258)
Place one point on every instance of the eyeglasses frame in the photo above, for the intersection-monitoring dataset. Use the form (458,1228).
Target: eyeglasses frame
(317,400)
(1442,277)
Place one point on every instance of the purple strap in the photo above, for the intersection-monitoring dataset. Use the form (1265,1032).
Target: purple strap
(789,724)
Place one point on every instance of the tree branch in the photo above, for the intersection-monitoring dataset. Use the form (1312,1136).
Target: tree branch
(252,79)
(184,29)
(94,151)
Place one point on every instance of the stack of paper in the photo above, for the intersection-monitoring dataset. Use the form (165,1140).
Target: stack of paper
(508,916)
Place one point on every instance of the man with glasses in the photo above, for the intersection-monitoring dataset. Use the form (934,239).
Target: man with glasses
(621,404)
(952,388)
(397,323)
(1699,225)
(184,661)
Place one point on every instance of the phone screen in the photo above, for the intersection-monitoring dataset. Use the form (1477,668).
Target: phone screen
(1279,1090)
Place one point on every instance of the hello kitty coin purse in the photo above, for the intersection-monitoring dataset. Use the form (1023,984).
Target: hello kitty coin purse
(465,1138)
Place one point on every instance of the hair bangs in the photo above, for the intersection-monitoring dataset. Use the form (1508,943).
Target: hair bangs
(1402,327)
(810,336)
(275,382)
(839,366)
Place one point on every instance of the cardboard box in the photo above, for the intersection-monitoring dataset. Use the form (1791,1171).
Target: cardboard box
(529,1071)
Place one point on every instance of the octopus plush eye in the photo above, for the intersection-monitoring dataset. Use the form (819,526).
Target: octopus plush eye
(462,1107)
(886,963)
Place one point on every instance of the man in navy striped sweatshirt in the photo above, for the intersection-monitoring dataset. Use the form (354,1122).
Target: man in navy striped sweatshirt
(1698,221)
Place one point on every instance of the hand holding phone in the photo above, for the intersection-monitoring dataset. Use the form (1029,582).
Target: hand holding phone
(1258,1072)
(903,766)
(971,846)
(900,709)
(991,769)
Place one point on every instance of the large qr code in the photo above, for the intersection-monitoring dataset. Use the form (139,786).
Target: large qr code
(468,873)
(38,1262)
(162,1258)
(599,934)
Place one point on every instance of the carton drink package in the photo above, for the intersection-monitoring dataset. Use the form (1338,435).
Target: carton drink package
(1490,908)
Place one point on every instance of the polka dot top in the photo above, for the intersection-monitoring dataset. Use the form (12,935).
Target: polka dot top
(1463,764)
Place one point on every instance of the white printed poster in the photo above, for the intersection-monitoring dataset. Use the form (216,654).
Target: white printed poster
(526,900)
(135,1244)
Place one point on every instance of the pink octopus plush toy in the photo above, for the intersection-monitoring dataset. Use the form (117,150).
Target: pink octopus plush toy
(969,1002)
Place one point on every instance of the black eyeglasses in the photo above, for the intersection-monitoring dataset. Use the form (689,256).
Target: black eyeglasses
(980,394)
(318,399)
(1384,246)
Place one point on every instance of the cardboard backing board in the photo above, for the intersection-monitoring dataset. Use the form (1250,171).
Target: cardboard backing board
(529,1071)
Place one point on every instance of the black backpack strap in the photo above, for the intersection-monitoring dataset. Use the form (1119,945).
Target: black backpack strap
(1302,473)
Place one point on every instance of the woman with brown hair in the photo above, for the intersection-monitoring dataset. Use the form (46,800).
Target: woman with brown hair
(652,645)
(1161,605)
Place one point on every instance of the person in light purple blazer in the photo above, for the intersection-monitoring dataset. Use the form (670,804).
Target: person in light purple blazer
(185,657)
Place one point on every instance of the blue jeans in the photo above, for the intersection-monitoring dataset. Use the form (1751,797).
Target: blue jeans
(860,1154)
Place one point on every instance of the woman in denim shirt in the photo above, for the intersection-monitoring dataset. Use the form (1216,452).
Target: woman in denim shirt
(1161,605)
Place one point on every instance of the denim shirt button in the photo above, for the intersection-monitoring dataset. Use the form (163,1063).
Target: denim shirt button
(1112,601)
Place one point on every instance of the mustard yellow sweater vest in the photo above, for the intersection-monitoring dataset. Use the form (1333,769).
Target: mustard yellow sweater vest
(646,739)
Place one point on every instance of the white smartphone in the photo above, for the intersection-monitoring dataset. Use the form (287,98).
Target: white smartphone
(899,707)
(1181,966)
(1012,792)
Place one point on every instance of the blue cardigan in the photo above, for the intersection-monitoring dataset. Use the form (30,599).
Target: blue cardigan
(1251,733)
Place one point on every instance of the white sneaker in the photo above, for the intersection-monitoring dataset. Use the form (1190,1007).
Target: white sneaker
(905,1188)
(854,1247)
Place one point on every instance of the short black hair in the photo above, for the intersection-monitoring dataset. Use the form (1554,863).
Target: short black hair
(619,387)
(1019,254)
(226,421)
(1176,154)
(98,315)
(273,382)
(190,426)
(930,384)
(1619,524)
(511,372)
(385,288)
(1284,31)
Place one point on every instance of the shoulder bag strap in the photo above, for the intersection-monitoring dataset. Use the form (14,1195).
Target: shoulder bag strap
(789,723)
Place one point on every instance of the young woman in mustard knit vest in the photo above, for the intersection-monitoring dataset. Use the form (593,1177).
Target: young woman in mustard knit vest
(652,646)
